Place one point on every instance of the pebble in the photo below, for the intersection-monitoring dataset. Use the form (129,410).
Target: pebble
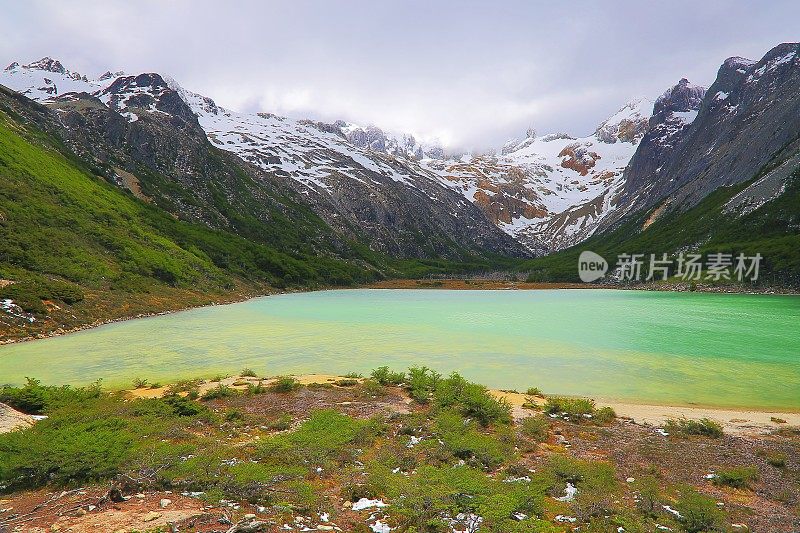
(164,503)
(630,480)
(152,515)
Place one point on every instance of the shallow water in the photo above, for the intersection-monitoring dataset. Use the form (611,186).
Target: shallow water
(647,347)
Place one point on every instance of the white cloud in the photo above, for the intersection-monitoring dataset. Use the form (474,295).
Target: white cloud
(472,74)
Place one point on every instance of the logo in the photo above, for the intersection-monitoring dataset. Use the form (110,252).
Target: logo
(591,266)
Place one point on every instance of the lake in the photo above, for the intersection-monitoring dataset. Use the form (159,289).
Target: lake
(725,350)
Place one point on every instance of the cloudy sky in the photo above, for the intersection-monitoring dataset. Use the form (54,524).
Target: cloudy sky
(470,73)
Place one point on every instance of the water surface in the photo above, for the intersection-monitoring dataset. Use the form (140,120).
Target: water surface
(659,347)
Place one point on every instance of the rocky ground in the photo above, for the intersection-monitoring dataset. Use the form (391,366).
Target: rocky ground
(637,451)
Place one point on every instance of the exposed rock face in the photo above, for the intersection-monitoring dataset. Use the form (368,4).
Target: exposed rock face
(748,116)
(550,192)
(578,157)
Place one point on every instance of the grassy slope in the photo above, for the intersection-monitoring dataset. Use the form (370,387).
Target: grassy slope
(65,232)
(267,445)
(59,222)
(771,230)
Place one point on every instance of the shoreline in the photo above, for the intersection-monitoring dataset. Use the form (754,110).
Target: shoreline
(403,284)
(735,421)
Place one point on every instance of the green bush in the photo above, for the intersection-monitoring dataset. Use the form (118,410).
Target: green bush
(347,382)
(739,478)
(774,458)
(371,388)
(535,391)
(384,376)
(705,427)
(220,391)
(35,398)
(535,427)
(284,384)
(53,451)
(464,441)
(698,512)
(327,436)
(421,383)
(248,373)
(576,409)
(472,400)
(282,423)
(579,410)
(184,406)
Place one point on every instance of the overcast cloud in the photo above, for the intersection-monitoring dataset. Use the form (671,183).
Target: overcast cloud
(470,73)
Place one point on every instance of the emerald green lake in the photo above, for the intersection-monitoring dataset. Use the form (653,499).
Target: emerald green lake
(647,347)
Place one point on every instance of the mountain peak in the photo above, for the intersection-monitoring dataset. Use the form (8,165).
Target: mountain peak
(628,124)
(48,64)
(682,97)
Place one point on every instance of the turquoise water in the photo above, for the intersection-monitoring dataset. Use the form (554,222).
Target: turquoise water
(659,347)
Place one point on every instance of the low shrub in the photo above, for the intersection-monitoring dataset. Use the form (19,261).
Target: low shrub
(384,376)
(35,399)
(464,441)
(471,400)
(774,458)
(282,423)
(579,410)
(698,512)
(284,384)
(347,382)
(535,427)
(248,373)
(421,383)
(738,478)
(535,391)
(371,388)
(684,427)
(220,391)
(326,437)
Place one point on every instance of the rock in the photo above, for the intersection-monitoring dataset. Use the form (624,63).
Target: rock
(152,515)
(249,516)
(80,512)
(164,502)
(630,480)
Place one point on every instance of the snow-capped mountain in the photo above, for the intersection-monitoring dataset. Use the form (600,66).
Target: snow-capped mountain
(547,192)
(551,191)
(380,196)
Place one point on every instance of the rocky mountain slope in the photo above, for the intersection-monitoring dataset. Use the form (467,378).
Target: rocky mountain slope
(153,137)
(551,191)
(702,140)
(718,171)
(407,198)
